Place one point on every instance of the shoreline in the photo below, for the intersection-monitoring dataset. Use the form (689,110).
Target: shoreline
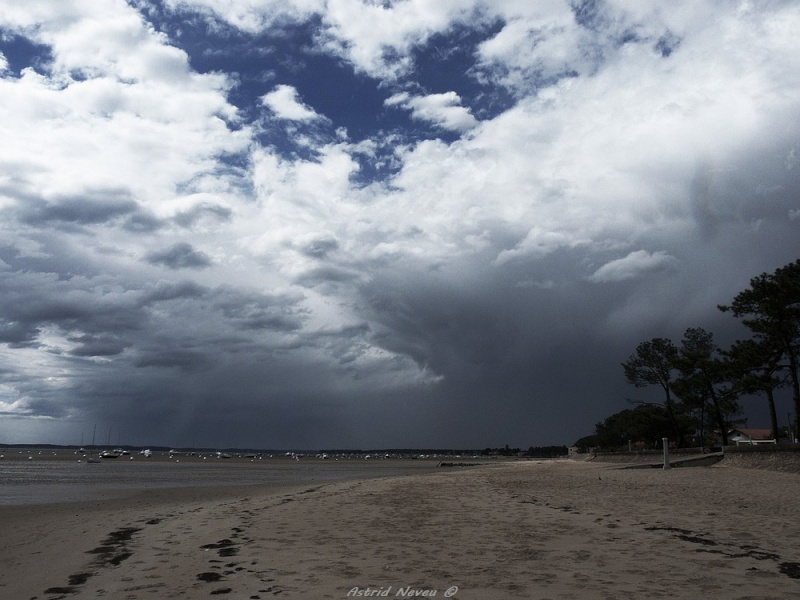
(531,529)
(47,480)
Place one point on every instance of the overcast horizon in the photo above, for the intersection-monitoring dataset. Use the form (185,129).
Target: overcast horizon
(351,224)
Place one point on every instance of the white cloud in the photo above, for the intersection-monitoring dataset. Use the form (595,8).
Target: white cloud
(580,166)
(284,102)
(378,37)
(535,44)
(136,109)
(634,265)
(375,37)
(593,159)
(582,163)
(443,110)
(538,243)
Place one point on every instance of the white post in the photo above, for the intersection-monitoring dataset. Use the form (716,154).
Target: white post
(665,441)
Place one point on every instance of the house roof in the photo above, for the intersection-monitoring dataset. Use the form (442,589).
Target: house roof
(754,434)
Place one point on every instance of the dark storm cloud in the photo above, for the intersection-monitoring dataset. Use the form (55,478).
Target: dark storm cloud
(94,325)
(327,276)
(53,309)
(188,218)
(376,281)
(35,300)
(320,247)
(17,334)
(143,222)
(180,256)
(526,362)
(101,208)
(178,358)
(97,345)
(169,290)
(704,210)
(257,318)
(344,344)
(249,310)
(229,402)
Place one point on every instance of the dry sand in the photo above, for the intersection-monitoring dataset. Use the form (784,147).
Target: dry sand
(559,530)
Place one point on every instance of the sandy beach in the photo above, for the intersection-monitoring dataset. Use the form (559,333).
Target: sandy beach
(532,529)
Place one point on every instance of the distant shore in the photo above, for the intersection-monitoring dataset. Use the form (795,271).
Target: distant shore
(558,529)
(62,452)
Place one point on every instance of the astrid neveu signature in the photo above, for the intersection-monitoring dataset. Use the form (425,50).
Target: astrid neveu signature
(400,592)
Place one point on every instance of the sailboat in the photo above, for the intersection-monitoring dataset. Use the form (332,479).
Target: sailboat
(91,460)
(108,453)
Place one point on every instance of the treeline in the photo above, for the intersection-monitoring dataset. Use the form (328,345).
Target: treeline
(700,383)
(532,451)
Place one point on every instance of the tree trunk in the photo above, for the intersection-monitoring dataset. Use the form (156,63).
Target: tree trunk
(723,427)
(773,415)
(703,424)
(795,389)
(674,420)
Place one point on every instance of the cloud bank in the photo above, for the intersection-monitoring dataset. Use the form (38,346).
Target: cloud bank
(346,224)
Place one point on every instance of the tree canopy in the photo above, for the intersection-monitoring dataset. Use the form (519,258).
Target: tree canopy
(702,382)
(653,363)
(770,308)
(706,379)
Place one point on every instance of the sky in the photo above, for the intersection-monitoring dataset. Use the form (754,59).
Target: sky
(364,224)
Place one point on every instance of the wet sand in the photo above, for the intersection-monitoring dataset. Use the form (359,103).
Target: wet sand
(533,529)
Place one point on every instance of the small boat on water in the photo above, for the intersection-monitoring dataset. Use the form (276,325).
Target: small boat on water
(91,459)
(110,454)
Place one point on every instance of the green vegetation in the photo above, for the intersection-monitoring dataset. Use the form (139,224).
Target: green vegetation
(702,383)
(770,308)
(533,451)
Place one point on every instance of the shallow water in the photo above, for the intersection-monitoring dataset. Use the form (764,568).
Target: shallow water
(48,479)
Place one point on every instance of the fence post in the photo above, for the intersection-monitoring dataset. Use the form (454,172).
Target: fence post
(665,441)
